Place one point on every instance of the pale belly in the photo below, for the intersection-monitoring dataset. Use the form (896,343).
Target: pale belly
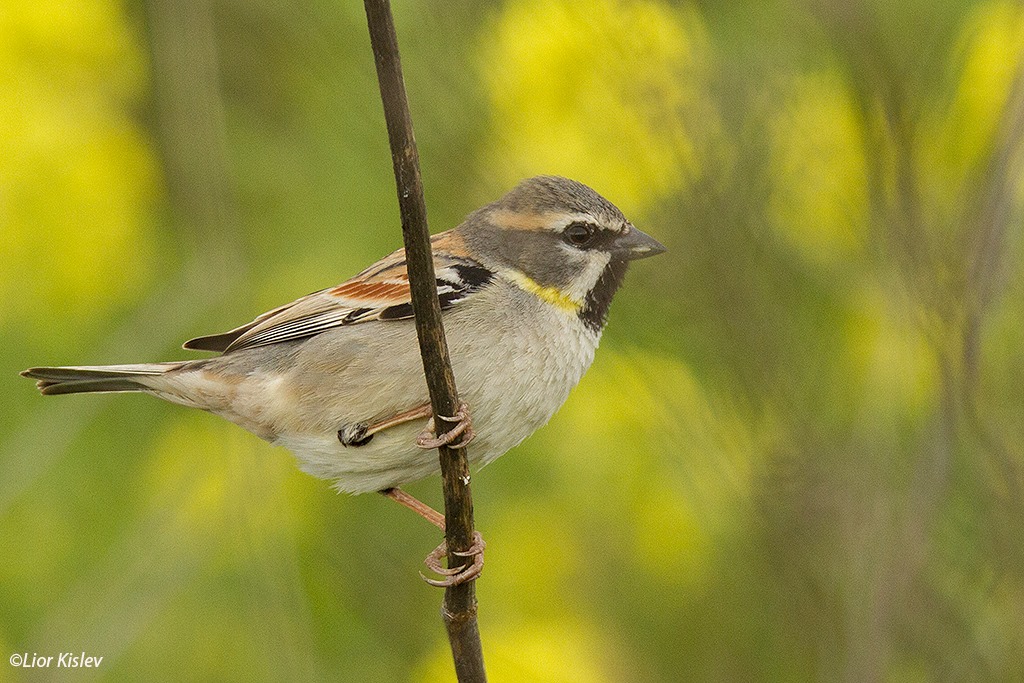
(512,388)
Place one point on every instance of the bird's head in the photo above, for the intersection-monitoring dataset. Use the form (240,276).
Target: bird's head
(561,240)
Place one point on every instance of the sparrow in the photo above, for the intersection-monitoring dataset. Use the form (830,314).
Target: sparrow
(525,284)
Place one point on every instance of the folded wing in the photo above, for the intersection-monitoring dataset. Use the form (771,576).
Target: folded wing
(380,292)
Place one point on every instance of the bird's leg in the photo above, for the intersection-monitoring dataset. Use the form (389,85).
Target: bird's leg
(463,427)
(416,505)
(360,433)
(453,576)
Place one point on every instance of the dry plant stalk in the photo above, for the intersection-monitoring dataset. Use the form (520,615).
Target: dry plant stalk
(459,607)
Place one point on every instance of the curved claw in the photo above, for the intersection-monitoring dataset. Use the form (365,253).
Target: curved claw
(461,414)
(463,427)
(467,435)
(456,575)
(433,562)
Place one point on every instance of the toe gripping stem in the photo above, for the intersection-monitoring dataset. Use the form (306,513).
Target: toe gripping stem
(453,576)
(463,426)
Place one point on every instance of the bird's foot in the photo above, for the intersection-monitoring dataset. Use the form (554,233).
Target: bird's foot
(427,439)
(453,576)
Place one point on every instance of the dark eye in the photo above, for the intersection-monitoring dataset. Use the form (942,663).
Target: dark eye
(579,234)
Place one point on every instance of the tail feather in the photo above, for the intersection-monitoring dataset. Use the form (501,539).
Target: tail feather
(98,378)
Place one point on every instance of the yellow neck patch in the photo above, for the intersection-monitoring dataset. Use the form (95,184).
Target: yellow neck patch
(551,295)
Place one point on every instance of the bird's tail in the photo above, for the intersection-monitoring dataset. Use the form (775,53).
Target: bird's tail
(97,378)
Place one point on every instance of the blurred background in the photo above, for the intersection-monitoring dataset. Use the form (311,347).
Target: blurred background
(798,455)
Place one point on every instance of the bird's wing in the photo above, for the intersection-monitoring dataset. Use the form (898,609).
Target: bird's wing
(381,292)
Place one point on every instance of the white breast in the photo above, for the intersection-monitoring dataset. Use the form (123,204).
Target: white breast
(516,374)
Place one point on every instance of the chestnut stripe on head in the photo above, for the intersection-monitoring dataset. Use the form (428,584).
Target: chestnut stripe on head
(550,221)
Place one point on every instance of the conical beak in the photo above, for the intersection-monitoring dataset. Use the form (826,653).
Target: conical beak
(635,244)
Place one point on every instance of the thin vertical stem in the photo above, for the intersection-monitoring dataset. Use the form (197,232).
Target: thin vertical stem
(459,608)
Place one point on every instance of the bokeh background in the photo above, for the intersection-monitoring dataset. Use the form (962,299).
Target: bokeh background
(798,455)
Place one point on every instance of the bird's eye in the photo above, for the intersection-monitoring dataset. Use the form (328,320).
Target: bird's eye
(579,234)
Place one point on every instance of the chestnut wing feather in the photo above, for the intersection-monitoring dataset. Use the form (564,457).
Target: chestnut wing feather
(379,293)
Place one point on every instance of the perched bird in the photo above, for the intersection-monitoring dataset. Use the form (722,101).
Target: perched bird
(335,377)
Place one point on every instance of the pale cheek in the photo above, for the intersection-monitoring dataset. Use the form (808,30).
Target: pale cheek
(590,268)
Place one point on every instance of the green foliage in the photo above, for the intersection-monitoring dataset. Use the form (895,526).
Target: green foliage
(797,455)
